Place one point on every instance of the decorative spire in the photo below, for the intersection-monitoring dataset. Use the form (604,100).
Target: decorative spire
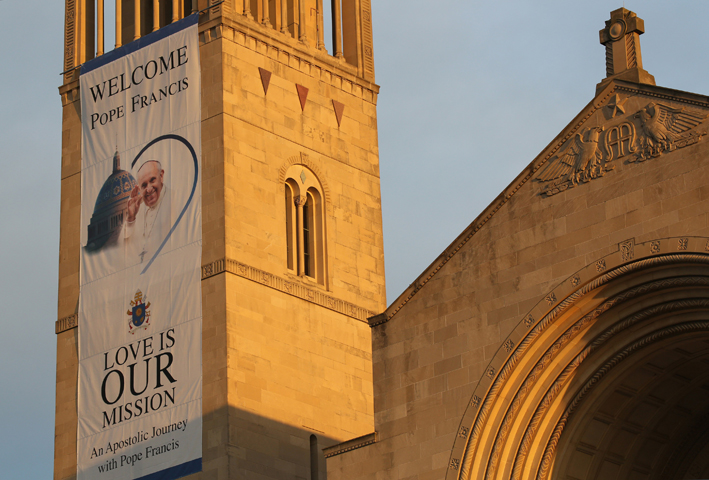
(116,162)
(621,38)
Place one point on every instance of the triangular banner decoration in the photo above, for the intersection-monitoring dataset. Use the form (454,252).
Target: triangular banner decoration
(339,110)
(265,79)
(302,95)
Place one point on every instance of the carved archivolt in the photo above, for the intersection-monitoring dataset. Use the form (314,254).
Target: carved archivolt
(596,320)
(304,159)
(688,327)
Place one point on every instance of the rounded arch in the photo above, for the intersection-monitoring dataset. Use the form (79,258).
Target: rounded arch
(306,208)
(304,160)
(604,378)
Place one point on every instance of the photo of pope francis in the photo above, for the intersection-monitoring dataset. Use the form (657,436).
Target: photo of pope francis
(147,214)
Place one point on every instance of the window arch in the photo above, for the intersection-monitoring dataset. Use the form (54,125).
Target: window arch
(305,224)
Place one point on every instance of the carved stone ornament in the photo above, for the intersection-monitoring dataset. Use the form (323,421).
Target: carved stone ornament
(648,133)
(579,162)
(627,250)
(665,129)
(616,105)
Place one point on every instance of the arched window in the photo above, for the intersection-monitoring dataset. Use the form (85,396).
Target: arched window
(305,224)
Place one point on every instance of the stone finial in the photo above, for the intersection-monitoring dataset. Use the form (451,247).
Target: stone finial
(621,38)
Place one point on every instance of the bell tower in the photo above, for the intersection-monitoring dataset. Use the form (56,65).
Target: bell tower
(292,248)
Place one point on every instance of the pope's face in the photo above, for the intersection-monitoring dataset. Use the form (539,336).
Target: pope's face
(150,183)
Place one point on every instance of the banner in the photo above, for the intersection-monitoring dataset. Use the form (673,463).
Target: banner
(140,307)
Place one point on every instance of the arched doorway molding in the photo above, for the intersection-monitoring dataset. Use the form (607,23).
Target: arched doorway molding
(639,312)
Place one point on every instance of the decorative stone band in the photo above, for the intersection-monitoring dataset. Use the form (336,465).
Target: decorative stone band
(349,445)
(320,71)
(348,83)
(69,92)
(285,286)
(264,278)
(66,323)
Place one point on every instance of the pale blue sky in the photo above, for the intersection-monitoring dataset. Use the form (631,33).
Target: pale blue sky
(471,92)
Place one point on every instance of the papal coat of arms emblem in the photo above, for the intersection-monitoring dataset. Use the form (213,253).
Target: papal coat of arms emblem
(139,313)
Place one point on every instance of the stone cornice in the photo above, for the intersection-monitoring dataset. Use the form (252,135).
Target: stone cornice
(341,76)
(294,288)
(349,445)
(663,93)
(345,80)
(66,323)
(69,92)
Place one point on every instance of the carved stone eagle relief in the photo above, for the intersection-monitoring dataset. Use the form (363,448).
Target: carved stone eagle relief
(651,131)
(579,162)
(662,125)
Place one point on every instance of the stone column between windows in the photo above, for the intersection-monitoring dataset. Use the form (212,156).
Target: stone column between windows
(136,19)
(299,203)
(119,23)
(337,29)
(284,16)
(99,25)
(265,18)
(303,36)
(156,15)
(321,26)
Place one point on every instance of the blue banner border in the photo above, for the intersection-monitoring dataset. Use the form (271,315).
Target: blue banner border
(142,42)
(178,471)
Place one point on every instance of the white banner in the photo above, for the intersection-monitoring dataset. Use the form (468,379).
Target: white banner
(140,308)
